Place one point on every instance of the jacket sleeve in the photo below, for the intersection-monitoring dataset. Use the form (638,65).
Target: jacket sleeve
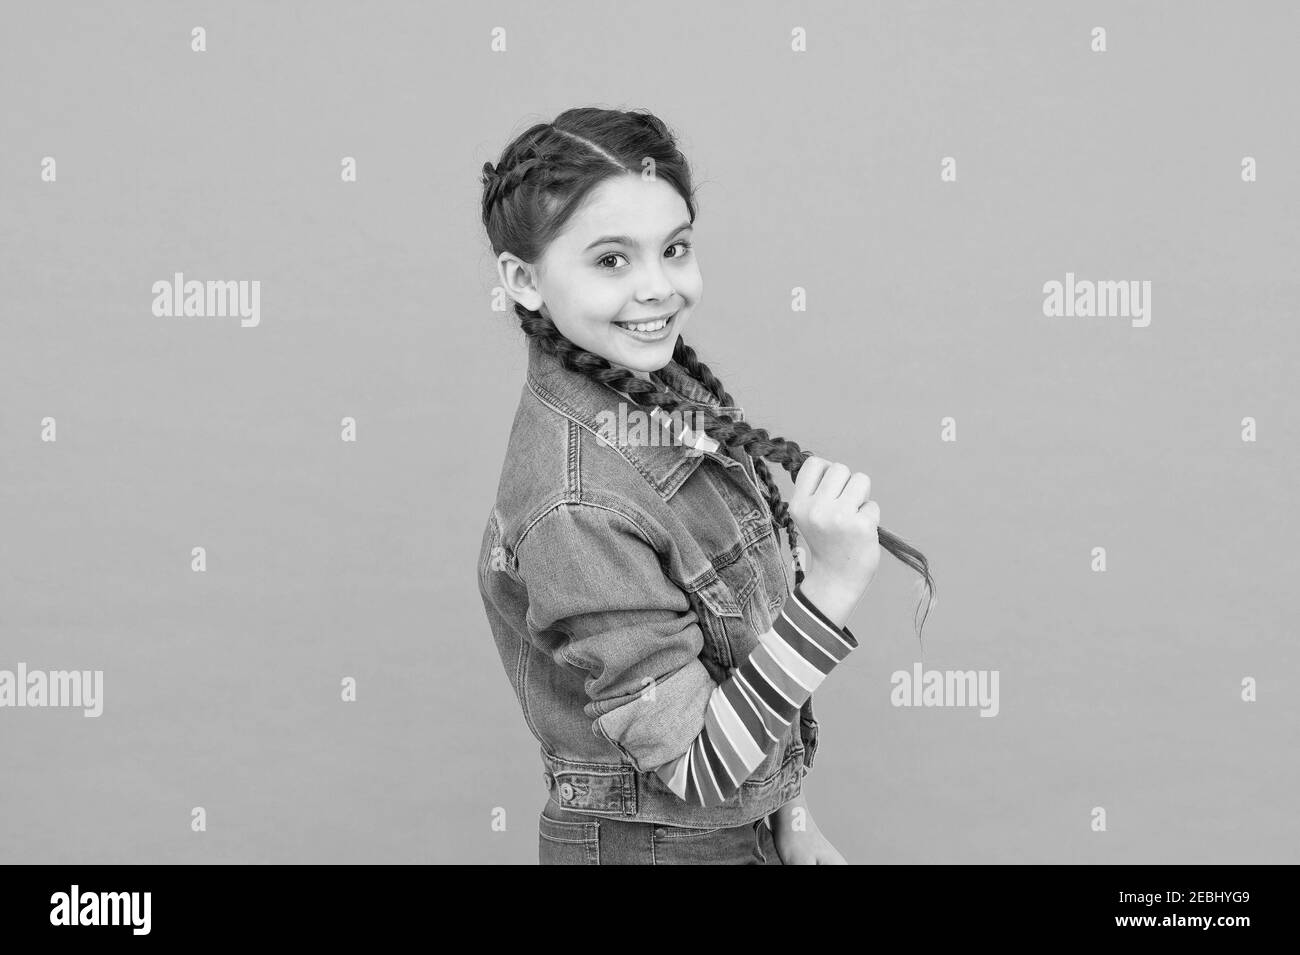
(594,578)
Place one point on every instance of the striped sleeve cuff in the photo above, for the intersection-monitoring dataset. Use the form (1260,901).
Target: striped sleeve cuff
(826,621)
(748,713)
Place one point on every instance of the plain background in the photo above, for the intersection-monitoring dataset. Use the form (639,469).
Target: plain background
(820,170)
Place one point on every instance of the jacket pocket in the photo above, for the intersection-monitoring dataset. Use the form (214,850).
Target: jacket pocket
(774,580)
(720,617)
(753,587)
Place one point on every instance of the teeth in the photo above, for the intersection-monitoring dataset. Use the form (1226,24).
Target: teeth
(645,326)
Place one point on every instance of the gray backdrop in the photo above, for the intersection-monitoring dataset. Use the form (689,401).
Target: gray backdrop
(821,169)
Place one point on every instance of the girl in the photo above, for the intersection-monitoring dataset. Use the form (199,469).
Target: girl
(630,568)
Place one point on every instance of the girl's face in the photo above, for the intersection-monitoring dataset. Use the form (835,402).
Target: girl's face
(624,256)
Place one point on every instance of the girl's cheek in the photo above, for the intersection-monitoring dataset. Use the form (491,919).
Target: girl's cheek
(696,283)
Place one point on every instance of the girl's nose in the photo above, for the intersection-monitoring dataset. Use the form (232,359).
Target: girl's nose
(655,287)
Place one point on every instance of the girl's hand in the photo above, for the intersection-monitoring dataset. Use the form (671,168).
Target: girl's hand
(798,840)
(832,508)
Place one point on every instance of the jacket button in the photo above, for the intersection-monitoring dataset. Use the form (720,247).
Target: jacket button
(566,791)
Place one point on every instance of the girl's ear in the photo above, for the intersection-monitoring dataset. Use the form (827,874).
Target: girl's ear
(518,279)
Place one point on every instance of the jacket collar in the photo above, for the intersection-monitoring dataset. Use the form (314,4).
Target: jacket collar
(665,465)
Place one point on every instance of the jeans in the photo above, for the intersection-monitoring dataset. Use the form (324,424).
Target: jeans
(565,837)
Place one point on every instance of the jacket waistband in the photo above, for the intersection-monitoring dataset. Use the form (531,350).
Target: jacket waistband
(620,792)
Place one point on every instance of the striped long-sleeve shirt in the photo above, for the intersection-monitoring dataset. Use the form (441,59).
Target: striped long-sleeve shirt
(748,713)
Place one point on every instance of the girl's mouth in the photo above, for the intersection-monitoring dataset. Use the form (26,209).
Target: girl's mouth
(653,331)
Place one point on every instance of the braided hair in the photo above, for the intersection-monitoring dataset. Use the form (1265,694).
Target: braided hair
(528,196)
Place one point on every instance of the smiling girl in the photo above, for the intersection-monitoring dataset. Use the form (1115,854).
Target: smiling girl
(635,588)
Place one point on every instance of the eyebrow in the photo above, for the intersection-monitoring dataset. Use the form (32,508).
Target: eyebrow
(628,240)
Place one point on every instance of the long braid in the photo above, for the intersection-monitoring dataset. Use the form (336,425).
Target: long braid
(734,434)
(685,356)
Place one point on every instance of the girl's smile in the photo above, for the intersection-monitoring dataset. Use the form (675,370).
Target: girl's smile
(652,331)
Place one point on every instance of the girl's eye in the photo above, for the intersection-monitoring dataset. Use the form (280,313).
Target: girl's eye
(686,247)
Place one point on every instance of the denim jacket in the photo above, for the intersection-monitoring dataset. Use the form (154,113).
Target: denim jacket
(609,566)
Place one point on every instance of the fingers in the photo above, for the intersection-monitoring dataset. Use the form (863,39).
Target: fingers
(833,482)
(810,474)
(857,490)
(824,488)
(820,479)
(829,481)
